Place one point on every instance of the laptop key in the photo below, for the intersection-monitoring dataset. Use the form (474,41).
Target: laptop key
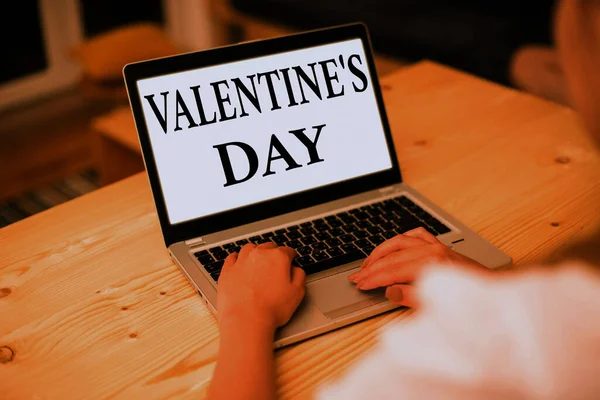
(333,242)
(293,228)
(304,250)
(348,238)
(206,259)
(374,211)
(320,246)
(201,253)
(335,223)
(335,252)
(308,240)
(320,255)
(388,226)
(349,228)
(228,245)
(441,228)
(367,250)
(215,275)
(332,262)
(280,231)
(306,224)
(241,242)
(389,234)
(374,230)
(361,215)
(294,244)
(348,219)
(254,239)
(218,248)
(220,255)
(336,232)
(268,235)
(322,227)
(322,235)
(303,261)
(308,231)
(214,267)
(377,221)
(348,247)
(294,235)
(363,224)
(361,234)
(279,239)
(362,243)
(376,239)
(430,230)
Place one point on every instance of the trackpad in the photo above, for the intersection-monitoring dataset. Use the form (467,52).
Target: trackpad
(336,296)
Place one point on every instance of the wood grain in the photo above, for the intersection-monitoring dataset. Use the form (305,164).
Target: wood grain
(92,307)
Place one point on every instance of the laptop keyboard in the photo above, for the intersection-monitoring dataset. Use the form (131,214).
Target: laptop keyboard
(337,239)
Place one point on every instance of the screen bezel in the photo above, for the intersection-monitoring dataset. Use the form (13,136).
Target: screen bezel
(186,230)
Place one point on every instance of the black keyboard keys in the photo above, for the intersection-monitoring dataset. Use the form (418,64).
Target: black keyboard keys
(308,231)
(347,238)
(206,259)
(327,263)
(322,235)
(320,255)
(304,250)
(308,240)
(320,246)
(376,239)
(335,252)
(349,228)
(294,244)
(303,261)
(368,249)
(294,235)
(279,239)
(389,234)
(336,232)
(214,267)
(220,255)
(362,243)
(333,242)
(361,234)
(373,230)
(348,247)
(201,253)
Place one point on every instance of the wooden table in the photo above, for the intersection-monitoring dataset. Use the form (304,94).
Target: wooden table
(92,307)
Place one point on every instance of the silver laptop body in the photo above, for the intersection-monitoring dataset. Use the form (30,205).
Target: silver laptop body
(331,300)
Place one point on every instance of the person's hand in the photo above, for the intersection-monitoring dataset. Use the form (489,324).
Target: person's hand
(397,262)
(260,286)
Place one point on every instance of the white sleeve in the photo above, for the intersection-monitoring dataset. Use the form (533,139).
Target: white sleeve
(529,335)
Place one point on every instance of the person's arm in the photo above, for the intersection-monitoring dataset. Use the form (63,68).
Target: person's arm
(259,290)
(245,362)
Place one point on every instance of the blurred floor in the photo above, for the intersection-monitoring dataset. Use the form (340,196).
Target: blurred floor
(47,196)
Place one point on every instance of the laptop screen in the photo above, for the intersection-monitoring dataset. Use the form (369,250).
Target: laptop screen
(245,132)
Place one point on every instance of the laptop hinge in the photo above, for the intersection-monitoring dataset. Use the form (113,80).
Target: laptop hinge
(194,242)
(387,189)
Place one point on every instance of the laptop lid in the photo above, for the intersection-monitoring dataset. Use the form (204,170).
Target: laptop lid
(241,133)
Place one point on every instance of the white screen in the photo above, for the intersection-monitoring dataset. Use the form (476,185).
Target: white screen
(192,172)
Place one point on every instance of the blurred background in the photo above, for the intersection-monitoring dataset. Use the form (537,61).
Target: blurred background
(65,125)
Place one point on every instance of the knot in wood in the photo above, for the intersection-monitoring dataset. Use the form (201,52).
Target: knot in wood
(6,354)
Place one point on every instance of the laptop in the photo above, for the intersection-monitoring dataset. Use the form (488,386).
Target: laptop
(283,140)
